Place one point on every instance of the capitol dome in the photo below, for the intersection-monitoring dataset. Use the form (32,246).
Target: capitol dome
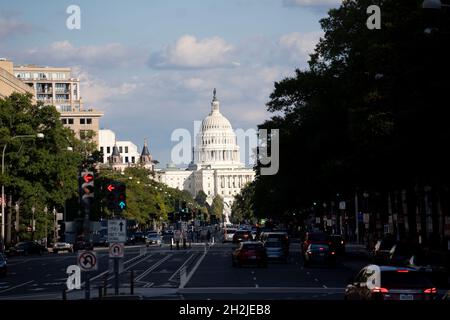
(216,144)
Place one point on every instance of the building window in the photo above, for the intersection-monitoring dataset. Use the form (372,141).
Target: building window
(101,149)
(82,121)
(209,192)
(64,121)
(132,159)
(108,150)
(86,134)
(88,121)
(126,149)
(70,121)
(126,159)
(120,149)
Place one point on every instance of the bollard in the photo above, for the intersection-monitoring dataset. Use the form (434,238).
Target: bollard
(171,243)
(100,291)
(212,240)
(105,284)
(132,282)
(64,293)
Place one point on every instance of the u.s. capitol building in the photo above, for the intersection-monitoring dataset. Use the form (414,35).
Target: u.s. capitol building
(216,167)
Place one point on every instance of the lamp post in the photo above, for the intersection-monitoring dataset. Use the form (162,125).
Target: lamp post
(39,136)
(46,229)
(33,223)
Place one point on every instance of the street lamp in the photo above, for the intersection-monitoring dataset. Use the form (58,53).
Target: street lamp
(39,136)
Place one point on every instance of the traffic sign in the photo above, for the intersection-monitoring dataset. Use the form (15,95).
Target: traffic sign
(116,250)
(87,260)
(117,231)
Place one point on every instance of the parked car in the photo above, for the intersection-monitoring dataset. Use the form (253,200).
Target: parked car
(242,235)
(317,237)
(249,252)
(337,243)
(3,265)
(26,248)
(382,250)
(280,236)
(319,254)
(153,238)
(62,246)
(275,250)
(228,234)
(376,282)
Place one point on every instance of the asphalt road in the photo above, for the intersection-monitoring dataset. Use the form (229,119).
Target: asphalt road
(209,275)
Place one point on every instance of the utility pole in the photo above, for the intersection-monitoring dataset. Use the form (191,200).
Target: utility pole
(9,221)
(55,225)
(33,223)
(17,222)
(356,217)
(46,226)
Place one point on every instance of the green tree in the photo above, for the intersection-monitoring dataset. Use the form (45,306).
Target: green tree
(217,207)
(242,207)
(38,172)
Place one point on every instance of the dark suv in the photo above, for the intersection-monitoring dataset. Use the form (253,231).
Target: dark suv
(317,237)
(26,248)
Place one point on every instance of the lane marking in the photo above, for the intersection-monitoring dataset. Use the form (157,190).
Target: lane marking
(153,267)
(199,261)
(325,286)
(316,280)
(178,270)
(18,286)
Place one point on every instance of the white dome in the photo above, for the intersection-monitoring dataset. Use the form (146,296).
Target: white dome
(216,141)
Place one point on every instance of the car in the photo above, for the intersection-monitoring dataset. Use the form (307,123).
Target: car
(242,235)
(228,234)
(317,237)
(62,246)
(3,265)
(382,250)
(26,248)
(249,252)
(319,254)
(275,250)
(137,237)
(153,238)
(435,265)
(280,236)
(338,243)
(83,244)
(380,282)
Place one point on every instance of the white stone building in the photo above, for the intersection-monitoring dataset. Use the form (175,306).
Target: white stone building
(122,154)
(216,167)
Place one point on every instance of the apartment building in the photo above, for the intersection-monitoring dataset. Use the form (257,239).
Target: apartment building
(9,83)
(57,86)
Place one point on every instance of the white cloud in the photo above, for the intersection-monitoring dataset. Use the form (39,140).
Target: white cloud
(298,46)
(188,52)
(304,3)
(64,53)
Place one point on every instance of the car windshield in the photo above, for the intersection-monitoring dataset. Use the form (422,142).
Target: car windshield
(404,280)
(273,244)
(317,237)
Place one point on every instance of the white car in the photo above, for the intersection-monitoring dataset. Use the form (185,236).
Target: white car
(62,246)
(228,234)
(153,238)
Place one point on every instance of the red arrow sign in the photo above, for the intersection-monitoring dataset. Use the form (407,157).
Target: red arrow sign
(88,178)
(110,188)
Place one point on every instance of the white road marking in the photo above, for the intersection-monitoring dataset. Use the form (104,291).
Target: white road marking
(325,286)
(316,280)
(18,286)
(153,267)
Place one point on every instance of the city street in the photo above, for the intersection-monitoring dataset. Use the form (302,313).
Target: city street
(209,275)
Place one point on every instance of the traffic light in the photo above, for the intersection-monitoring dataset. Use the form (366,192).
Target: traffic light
(116,200)
(121,196)
(87,189)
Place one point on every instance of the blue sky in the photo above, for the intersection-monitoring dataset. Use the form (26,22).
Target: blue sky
(151,65)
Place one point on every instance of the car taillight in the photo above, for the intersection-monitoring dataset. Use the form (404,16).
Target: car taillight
(309,252)
(380,290)
(332,252)
(342,242)
(403,271)
(321,249)
(430,290)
